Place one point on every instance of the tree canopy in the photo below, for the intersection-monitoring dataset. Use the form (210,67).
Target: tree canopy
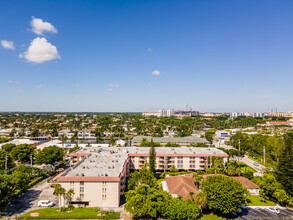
(223,193)
(49,155)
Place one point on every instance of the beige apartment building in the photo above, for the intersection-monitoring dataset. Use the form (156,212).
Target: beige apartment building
(98,174)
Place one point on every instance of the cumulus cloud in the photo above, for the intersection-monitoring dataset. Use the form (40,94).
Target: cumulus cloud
(156,73)
(7,44)
(39,51)
(39,26)
(10,81)
(112,86)
(39,86)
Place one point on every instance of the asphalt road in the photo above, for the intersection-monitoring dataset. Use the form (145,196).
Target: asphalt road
(29,201)
(262,213)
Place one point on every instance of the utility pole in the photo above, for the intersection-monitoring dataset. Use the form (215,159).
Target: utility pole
(239,141)
(31,158)
(210,157)
(264,154)
(5,162)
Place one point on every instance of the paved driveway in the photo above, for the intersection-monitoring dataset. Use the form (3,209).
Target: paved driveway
(262,213)
(29,201)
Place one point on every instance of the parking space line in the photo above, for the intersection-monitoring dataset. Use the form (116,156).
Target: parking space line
(287,212)
(258,210)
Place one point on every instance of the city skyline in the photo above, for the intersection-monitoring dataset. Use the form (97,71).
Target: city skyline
(84,56)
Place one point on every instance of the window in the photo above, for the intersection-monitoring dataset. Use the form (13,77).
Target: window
(180,166)
(192,166)
(81,196)
(81,183)
(179,157)
(81,189)
(104,197)
(71,184)
(104,190)
(104,183)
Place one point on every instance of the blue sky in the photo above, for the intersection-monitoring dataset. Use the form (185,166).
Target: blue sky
(145,55)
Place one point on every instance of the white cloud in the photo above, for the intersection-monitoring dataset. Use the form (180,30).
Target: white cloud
(39,51)
(39,86)
(7,44)
(39,26)
(10,81)
(150,49)
(114,85)
(156,73)
(76,85)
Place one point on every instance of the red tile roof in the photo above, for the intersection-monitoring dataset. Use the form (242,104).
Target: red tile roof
(181,185)
(244,181)
(88,178)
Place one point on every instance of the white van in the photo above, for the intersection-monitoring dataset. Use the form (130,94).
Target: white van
(45,203)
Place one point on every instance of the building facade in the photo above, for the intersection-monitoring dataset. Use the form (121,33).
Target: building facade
(98,175)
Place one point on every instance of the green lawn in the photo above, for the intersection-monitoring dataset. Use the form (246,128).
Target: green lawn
(211,216)
(245,168)
(77,213)
(254,200)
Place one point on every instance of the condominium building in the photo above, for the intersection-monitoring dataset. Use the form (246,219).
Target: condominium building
(172,112)
(182,141)
(98,174)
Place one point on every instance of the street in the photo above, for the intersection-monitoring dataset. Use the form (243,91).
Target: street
(29,201)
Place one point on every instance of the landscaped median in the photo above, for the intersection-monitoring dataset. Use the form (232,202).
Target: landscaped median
(77,213)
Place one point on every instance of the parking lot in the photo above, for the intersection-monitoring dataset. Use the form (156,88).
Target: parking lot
(264,213)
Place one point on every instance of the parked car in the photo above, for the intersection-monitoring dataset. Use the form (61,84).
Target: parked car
(45,203)
(275,210)
(256,164)
(239,211)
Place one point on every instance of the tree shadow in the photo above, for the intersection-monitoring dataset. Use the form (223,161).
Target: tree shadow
(26,201)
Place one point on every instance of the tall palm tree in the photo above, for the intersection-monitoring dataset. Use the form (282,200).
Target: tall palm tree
(59,191)
(69,195)
(201,200)
(197,179)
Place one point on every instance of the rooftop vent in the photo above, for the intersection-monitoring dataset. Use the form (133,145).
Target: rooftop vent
(82,174)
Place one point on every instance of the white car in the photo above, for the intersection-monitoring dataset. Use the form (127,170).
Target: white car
(275,210)
(45,203)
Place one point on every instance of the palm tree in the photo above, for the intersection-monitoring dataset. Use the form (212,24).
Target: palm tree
(59,191)
(201,200)
(197,179)
(69,195)
(191,193)
(63,138)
